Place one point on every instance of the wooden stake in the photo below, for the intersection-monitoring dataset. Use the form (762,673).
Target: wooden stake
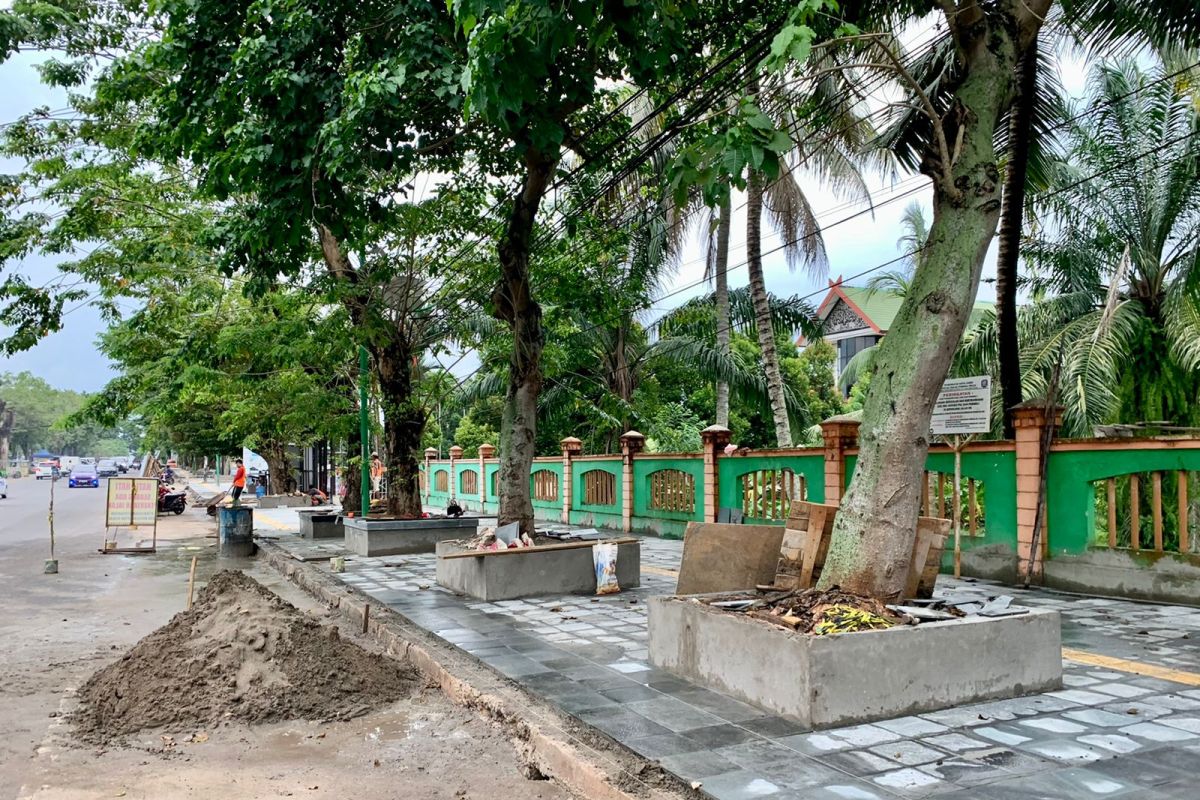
(1182,478)
(954,505)
(1112,512)
(191,582)
(1156,509)
(1135,518)
(366,616)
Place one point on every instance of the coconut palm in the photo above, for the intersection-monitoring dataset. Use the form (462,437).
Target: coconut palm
(830,148)
(1116,266)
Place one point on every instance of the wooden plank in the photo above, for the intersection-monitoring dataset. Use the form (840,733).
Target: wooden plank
(1156,509)
(720,557)
(925,493)
(1183,511)
(542,548)
(1135,520)
(1112,512)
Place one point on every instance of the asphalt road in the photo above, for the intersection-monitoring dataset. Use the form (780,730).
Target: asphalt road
(76,511)
(56,629)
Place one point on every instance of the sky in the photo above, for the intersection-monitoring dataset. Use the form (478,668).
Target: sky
(856,243)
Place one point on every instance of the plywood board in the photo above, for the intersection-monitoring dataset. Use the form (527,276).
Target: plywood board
(722,558)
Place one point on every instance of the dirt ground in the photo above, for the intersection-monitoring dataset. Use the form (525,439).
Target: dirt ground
(58,630)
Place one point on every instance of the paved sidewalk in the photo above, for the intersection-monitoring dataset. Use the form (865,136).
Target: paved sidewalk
(1127,723)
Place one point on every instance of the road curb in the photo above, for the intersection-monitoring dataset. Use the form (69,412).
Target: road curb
(550,744)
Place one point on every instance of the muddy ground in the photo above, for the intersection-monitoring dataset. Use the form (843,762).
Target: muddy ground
(59,630)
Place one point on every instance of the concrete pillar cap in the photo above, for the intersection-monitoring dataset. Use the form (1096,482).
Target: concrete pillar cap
(431,452)
(487,450)
(455,452)
(633,441)
(571,446)
(716,435)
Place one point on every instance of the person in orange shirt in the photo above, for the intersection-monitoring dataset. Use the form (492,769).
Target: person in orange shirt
(239,481)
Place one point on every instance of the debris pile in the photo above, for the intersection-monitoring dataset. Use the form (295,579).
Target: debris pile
(505,536)
(240,654)
(836,611)
(812,611)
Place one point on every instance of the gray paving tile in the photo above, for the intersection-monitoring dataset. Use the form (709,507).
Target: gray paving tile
(621,724)
(772,727)
(697,765)
(908,782)
(723,735)
(739,785)
(1154,732)
(911,726)
(673,714)
(864,735)
(664,744)
(909,754)
(859,763)
(1095,717)
(815,743)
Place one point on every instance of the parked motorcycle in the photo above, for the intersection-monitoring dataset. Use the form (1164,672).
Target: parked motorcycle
(171,501)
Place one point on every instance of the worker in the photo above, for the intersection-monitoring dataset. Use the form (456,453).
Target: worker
(239,481)
(377,471)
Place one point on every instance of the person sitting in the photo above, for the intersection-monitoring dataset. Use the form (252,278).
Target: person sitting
(318,497)
(454,510)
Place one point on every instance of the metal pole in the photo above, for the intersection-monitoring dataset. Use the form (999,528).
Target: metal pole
(364,430)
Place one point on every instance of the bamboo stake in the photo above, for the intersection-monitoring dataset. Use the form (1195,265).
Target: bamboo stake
(1135,519)
(1182,480)
(1156,507)
(1112,512)
(191,582)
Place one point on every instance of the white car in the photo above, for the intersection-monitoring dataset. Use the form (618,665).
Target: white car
(3,487)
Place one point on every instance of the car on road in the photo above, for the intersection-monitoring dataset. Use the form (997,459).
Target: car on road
(84,475)
(107,469)
(44,469)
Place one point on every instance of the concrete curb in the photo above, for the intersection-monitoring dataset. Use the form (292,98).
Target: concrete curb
(550,744)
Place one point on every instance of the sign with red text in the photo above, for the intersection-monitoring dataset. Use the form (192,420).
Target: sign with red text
(132,502)
(964,406)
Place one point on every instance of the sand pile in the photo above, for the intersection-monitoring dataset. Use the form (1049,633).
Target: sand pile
(240,654)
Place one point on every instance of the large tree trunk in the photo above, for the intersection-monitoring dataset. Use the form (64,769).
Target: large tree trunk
(1012,213)
(762,311)
(278,467)
(721,292)
(513,302)
(6,426)
(876,526)
(403,424)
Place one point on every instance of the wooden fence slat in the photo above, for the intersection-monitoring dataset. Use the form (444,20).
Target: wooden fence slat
(1112,512)
(972,508)
(925,493)
(1156,509)
(1183,512)
(1135,519)
(940,484)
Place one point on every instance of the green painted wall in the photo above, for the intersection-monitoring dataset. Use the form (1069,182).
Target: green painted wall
(1070,505)
(668,524)
(596,515)
(540,507)
(812,467)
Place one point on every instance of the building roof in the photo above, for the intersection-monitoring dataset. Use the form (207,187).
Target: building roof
(877,309)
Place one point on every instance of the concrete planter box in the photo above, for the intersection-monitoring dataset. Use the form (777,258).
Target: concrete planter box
(529,572)
(282,501)
(320,524)
(389,537)
(841,679)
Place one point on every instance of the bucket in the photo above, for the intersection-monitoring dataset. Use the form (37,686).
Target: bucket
(236,526)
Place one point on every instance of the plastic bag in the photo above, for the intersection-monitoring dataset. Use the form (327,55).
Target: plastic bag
(604,558)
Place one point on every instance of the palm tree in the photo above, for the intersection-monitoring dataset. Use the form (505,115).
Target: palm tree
(1115,270)
(830,147)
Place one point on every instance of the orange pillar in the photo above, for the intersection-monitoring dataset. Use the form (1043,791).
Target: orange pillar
(840,434)
(571,447)
(430,454)
(455,455)
(714,437)
(486,451)
(1029,422)
(632,443)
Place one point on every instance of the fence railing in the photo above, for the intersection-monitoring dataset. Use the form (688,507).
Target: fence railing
(1093,488)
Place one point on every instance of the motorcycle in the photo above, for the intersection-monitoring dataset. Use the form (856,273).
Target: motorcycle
(171,501)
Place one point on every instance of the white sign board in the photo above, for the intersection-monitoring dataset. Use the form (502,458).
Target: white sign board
(963,406)
(132,502)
